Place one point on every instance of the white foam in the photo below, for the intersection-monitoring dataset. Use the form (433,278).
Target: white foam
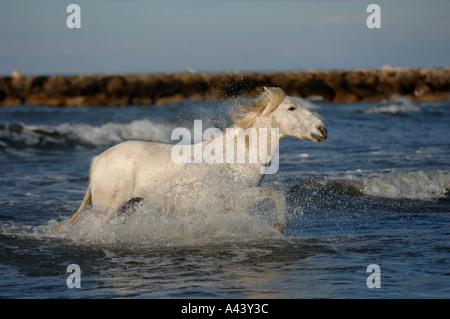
(115,133)
(85,134)
(416,185)
(397,106)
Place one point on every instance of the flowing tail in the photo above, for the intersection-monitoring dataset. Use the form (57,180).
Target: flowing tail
(87,200)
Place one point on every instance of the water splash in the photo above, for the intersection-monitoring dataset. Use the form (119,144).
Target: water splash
(149,227)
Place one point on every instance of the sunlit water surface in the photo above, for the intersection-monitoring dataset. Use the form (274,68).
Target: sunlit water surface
(375,192)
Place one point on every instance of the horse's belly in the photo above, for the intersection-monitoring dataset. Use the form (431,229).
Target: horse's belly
(151,179)
(153,167)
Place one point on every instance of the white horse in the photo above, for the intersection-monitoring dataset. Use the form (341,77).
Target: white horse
(147,170)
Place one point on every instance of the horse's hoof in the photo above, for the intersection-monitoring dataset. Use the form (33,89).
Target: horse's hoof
(130,207)
(279,226)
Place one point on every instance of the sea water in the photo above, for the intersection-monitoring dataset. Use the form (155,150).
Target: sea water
(375,192)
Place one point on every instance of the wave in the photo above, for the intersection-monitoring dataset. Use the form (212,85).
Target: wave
(416,185)
(413,185)
(22,135)
(400,105)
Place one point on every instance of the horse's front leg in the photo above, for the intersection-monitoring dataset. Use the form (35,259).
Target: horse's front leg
(280,203)
(254,195)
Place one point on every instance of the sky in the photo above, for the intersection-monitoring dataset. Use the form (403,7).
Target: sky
(145,36)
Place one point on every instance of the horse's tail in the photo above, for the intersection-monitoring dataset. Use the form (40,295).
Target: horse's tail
(87,200)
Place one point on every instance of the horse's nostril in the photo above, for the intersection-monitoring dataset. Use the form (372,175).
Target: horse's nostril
(323,131)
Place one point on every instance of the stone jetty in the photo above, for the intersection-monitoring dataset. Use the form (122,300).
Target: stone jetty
(351,85)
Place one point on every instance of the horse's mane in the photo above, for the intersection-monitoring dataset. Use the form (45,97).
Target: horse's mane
(244,114)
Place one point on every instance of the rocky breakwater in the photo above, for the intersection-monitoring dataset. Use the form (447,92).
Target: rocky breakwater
(149,89)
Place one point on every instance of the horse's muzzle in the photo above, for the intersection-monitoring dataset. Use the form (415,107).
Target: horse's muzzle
(321,136)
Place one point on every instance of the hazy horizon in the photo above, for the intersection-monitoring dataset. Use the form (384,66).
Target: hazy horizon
(211,36)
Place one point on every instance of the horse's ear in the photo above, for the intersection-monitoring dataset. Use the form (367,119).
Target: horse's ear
(273,96)
(269,101)
(267,108)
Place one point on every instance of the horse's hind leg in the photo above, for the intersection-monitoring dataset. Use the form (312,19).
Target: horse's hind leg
(254,195)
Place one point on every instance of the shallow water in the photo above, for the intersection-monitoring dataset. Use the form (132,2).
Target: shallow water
(375,192)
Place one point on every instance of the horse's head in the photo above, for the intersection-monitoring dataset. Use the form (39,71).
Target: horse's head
(291,118)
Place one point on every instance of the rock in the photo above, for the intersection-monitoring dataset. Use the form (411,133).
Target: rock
(148,89)
(16,74)
(56,85)
(362,83)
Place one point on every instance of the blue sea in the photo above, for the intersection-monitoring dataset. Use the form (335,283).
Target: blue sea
(376,192)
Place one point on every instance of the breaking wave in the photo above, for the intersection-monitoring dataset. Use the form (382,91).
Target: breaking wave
(400,105)
(22,135)
(417,185)
(413,185)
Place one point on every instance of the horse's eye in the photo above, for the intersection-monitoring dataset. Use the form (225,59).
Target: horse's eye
(292,108)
